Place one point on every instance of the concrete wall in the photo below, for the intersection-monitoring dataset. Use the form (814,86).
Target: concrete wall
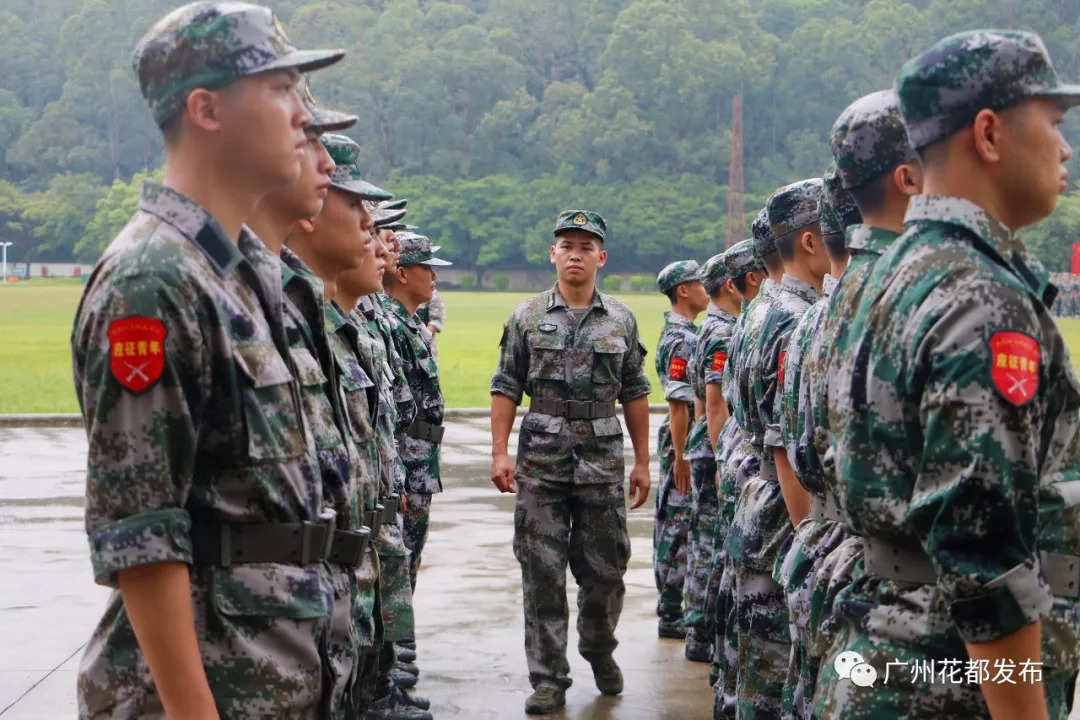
(49,269)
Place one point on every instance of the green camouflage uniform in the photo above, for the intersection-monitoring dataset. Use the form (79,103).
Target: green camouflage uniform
(671,528)
(954,413)
(706,367)
(412,341)
(192,412)
(571,504)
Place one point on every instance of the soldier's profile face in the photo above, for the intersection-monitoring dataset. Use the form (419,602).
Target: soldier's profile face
(697,295)
(305,197)
(421,282)
(342,232)
(367,277)
(577,255)
(1034,153)
(263,121)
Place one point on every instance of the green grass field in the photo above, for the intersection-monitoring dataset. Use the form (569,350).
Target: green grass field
(36,318)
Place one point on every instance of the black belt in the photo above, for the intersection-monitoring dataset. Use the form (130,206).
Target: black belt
(384,513)
(228,544)
(572,409)
(426,431)
(892,561)
(826,508)
(349,547)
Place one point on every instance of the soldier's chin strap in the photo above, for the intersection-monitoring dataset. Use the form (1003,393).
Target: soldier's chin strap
(44,677)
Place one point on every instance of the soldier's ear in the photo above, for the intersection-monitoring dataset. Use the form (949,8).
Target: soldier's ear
(987,132)
(306,226)
(202,109)
(603,257)
(551,255)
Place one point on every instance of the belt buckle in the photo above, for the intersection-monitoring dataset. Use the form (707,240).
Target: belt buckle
(358,540)
(310,550)
(574,410)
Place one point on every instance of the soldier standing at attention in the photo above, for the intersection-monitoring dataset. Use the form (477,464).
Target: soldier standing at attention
(412,284)
(706,372)
(575,352)
(681,283)
(954,406)
(204,505)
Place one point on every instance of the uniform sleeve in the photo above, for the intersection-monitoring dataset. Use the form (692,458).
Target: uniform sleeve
(769,391)
(714,356)
(141,404)
(509,379)
(974,503)
(676,369)
(634,381)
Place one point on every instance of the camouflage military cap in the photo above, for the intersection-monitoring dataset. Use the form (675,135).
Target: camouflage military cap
(416,250)
(210,45)
(714,273)
(384,218)
(398,204)
(741,258)
(869,139)
(793,206)
(324,120)
(942,89)
(346,175)
(585,220)
(764,242)
(839,199)
(828,218)
(677,273)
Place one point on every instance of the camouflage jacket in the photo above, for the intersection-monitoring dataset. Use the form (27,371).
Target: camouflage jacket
(706,368)
(737,373)
(436,312)
(385,360)
(309,346)
(545,353)
(413,343)
(795,397)
(405,406)
(673,354)
(954,411)
(866,243)
(192,410)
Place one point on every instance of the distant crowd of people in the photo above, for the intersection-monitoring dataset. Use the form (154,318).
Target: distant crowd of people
(1068,299)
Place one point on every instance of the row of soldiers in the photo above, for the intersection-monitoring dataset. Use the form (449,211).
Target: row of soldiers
(1068,300)
(868,502)
(262,402)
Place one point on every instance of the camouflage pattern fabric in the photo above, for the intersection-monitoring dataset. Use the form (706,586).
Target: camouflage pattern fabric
(869,140)
(764,643)
(406,409)
(352,625)
(569,473)
(547,353)
(415,528)
(671,527)
(346,175)
(172,438)
(943,88)
(702,574)
(793,206)
(584,220)
(677,273)
(953,302)
(210,45)
(583,524)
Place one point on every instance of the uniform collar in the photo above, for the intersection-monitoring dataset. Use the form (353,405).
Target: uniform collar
(719,312)
(794,285)
(292,268)
(555,299)
(194,223)
(335,316)
(863,238)
(673,318)
(829,285)
(398,308)
(997,240)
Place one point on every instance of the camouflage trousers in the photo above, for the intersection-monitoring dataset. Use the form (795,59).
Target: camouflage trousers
(415,526)
(810,546)
(395,585)
(764,644)
(910,694)
(556,523)
(702,572)
(726,646)
(671,533)
(836,572)
(264,636)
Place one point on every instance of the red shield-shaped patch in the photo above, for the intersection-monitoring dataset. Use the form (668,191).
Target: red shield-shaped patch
(1014,365)
(136,351)
(719,360)
(780,366)
(677,369)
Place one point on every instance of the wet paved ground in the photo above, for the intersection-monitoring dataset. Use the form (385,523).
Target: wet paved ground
(470,626)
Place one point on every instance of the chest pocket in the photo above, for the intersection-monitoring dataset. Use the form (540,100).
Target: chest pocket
(316,403)
(273,428)
(359,395)
(608,360)
(547,356)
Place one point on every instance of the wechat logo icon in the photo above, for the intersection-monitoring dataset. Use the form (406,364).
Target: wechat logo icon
(851,666)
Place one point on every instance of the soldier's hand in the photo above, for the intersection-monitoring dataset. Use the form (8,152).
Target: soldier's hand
(639,485)
(502,473)
(682,476)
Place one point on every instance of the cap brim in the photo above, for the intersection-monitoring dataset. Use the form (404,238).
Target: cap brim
(1069,93)
(560,231)
(389,217)
(364,189)
(303,60)
(398,204)
(436,262)
(332,121)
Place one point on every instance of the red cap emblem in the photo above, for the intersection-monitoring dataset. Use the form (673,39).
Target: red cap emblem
(677,370)
(780,366)
(1014,365)
(719,360)
(136,351)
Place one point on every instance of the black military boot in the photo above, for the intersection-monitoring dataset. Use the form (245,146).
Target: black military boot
(545,700)
(607,675)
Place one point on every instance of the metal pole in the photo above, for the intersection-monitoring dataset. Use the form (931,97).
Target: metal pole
(3,273)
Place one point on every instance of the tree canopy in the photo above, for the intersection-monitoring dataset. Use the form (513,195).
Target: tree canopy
(491,115)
